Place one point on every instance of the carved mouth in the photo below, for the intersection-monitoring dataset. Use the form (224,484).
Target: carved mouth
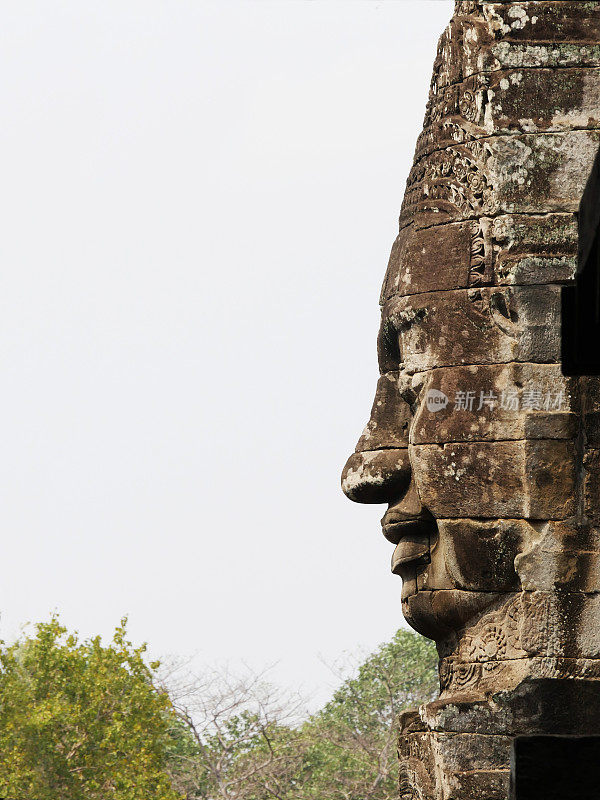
(413,550)
(412,539)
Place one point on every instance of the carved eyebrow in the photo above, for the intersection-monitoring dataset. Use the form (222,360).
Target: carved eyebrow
(405,318)
(394,321)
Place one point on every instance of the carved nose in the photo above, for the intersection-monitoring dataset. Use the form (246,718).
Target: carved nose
(379,470)
(376,476)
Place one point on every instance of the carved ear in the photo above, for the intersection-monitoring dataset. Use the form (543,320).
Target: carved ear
(503,312)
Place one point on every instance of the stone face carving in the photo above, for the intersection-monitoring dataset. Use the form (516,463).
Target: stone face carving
(487,457)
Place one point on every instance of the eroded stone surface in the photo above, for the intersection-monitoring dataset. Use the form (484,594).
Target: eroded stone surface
(488,459)
(487,325)
(530,479)
(493,402)
(534,249)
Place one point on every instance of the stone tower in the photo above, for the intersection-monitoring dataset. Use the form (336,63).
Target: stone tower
(487,457)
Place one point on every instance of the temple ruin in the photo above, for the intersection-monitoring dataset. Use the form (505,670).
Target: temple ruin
(487,456)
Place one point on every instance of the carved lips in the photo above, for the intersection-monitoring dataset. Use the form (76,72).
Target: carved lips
(411,537)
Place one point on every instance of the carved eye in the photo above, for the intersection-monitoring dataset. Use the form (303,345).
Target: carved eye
(388,347)
(499,303)
(411,393)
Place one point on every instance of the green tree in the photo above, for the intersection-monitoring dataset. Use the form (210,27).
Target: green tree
(351,742)
(82,721)
(250,745)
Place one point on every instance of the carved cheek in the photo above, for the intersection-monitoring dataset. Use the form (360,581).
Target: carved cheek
(531,479)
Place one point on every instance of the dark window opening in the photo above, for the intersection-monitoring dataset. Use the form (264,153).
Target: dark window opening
(580,312)
(555,768)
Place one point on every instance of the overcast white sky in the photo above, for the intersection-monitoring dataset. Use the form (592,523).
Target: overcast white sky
(198,201)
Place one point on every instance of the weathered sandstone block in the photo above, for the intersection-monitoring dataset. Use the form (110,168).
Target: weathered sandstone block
(531,479)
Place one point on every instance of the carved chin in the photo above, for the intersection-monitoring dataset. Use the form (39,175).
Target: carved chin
(436,614)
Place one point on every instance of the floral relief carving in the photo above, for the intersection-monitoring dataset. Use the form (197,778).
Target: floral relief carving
(480,271)
(453,180)
(518,629)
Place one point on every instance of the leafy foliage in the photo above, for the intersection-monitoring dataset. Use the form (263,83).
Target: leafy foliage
(81,721)
(249,748)
(352,742)
(87,721)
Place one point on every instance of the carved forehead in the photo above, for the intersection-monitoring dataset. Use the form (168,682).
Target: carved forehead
(509,250)
(440,258)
